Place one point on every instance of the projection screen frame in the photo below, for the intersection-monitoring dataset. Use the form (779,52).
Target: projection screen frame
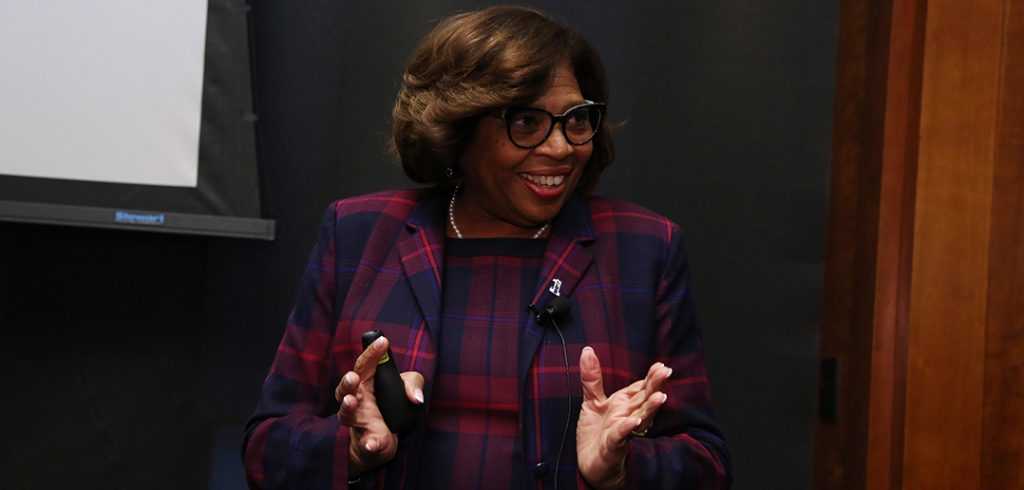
(227,201)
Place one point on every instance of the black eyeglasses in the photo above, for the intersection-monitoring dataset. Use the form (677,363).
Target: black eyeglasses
(530,127)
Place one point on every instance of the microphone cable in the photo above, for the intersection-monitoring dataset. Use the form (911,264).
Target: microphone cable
(556,309)
(568,399)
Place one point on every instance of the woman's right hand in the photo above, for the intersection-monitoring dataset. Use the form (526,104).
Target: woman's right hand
(371,443)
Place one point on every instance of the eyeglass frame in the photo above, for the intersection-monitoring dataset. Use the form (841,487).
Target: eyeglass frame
(555,119)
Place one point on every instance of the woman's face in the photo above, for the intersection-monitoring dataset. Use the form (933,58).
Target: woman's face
(511,191)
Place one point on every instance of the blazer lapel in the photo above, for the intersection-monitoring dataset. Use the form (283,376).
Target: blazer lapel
(567,257)
(422,251)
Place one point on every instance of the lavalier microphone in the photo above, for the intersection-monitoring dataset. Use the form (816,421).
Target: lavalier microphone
(553,312)
(549,317)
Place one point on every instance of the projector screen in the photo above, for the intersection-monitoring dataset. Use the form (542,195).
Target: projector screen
(129,115)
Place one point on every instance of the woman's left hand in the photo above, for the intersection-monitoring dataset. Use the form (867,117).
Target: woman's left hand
(605,422)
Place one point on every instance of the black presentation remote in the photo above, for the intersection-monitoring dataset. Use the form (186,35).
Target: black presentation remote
(388,388)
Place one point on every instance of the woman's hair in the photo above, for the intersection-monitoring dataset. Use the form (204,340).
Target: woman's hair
(479,61)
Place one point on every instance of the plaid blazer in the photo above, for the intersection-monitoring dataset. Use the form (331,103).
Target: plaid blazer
(378,263)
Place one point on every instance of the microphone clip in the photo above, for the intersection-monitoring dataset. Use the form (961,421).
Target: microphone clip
(551,313)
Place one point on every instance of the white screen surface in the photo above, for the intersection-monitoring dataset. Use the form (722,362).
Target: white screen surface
(104,90)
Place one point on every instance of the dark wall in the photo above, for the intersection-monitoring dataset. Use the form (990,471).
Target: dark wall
(131,360)
(101,365)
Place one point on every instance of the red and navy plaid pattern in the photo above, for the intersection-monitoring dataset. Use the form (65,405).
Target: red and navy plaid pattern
(473,423)
(379,263)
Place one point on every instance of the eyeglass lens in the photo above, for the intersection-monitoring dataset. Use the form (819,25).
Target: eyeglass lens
(531,127)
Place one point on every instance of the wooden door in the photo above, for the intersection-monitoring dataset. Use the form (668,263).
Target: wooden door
(925,265)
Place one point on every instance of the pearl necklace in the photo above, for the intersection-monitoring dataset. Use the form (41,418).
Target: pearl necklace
(455,227)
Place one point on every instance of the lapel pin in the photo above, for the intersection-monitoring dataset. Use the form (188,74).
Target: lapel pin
(556,287)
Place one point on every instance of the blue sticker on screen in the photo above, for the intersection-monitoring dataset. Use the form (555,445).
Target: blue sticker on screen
(139,218)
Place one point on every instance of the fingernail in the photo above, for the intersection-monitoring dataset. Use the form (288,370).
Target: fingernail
(664,398)
(639,421)
(379,342)
(348,378)
(371,445)
(417,394)
(669,373)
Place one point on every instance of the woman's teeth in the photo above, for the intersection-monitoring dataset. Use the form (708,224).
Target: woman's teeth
(544,180)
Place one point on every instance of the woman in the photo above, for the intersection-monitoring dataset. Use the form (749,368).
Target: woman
(502,111)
